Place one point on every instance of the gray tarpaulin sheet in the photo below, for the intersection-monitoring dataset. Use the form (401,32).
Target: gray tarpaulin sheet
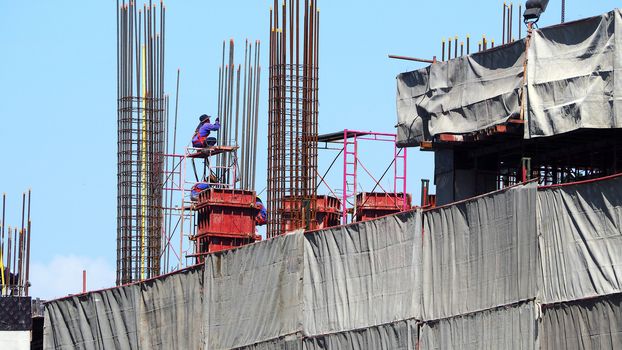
(400,335)
(574,76)
(571,84)
(362,275)
(163,313)
(581,240)
(509,328)
(473,274)
(480,253)
(593,324)
(465,94)
(254,293)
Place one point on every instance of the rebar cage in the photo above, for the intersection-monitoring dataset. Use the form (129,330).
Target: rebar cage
(141,136)
(293,119)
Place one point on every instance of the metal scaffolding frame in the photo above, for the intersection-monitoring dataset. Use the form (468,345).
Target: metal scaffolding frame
(349,151)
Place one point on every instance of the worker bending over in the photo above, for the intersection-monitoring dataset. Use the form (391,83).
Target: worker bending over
(262,215)
(197,189)
(201,138)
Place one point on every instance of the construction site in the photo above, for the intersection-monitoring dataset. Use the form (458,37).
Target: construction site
(514,243)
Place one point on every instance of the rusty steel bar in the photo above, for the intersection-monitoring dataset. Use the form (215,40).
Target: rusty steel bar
(510,39)
(28,248)
(520,27)
(8,255)
(503,31)
(415,59)
(449,49)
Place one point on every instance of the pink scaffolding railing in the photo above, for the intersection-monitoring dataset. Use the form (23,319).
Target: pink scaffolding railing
(179,220)
(349,141)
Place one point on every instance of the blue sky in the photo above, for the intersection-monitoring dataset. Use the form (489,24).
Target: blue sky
(58,100)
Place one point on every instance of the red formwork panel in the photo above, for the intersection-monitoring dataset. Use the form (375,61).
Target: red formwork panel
(371,205)
(326,209)
(431,203)
(226,212)
(210,244)
(225,220)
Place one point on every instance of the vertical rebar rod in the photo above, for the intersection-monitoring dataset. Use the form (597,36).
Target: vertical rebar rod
(449,42)
(511,15)
(520,27)
(503,27)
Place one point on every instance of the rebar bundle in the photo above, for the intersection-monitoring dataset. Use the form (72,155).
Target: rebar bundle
(141,137)
(293,117)
(15,252)
(239,125)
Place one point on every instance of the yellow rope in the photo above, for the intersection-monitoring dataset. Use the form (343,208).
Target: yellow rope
(143,172)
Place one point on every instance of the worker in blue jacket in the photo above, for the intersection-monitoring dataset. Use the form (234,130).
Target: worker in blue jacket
(196,190)
(201,138)
(262,215)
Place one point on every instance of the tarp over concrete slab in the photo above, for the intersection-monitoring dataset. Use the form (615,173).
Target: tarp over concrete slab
(571,83)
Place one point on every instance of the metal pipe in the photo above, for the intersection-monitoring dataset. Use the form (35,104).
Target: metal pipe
(503,35)
(510,38)
(449,49)
(406,58)
(520,27)
(8,259)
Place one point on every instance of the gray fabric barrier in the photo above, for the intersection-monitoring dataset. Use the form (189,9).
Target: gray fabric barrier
(289,342)
(471,280)
(402,335)
(254,293)
(362,275)
(571,84)
(511,328)
(162,313)
(481,253)
(573,77)
(581,240)
(465,94)
(584,325)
